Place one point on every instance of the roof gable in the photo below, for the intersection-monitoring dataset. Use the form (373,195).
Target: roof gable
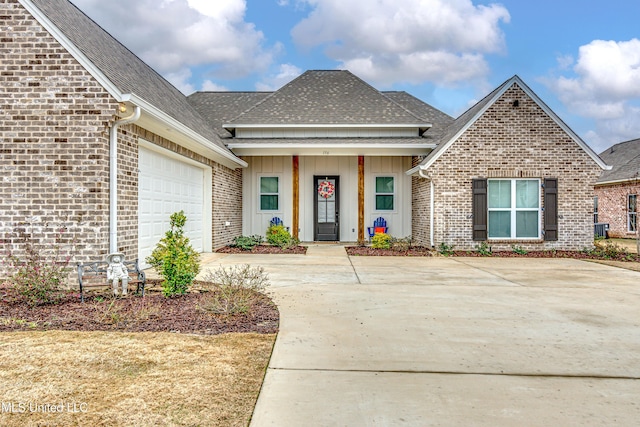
(469,117)
(624,159)
(327,98)
(120,71)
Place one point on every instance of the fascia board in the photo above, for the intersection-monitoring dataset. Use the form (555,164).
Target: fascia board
(335,145)
(172,123)
(324,150)
(110,87)
(326,125)
(617,181)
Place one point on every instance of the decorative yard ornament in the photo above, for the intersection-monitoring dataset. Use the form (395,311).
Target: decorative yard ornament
(326,189)
(117,271)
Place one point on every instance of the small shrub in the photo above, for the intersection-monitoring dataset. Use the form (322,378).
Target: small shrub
(444,249)
(401,244)
(519,250)
(39,271)
(381,241)
(237,289)
(247,243)
(484,249)
(278,235)
(175,259)
(611,250)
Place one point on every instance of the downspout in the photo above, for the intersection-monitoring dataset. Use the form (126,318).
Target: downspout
(113,177)
(431,205)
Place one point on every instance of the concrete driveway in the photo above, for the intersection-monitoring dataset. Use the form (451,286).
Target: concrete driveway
(368,341)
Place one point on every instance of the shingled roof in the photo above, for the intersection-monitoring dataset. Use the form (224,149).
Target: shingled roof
(624,158)
(326,98)
(220,107)
(128,73)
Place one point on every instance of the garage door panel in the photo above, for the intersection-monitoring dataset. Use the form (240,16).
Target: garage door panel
(168,185)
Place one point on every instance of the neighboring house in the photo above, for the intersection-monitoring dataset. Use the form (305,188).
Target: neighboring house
(82,116)
(617,190)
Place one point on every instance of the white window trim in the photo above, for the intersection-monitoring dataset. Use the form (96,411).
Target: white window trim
(269,175)
(514,209)
(395,192)
(629,213)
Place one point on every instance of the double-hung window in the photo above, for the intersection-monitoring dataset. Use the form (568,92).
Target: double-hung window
(632,216)
(513,208)
(385,193)
(269,193)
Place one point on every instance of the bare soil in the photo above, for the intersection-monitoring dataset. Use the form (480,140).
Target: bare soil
(133,313)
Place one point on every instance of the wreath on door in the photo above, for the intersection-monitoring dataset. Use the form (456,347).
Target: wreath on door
(326,189)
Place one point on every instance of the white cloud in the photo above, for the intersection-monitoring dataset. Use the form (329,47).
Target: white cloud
(287,73)
(604,85)
(209,86)
(174,36)
(384,41)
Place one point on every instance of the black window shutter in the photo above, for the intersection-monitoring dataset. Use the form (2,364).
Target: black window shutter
(551,209)
(479,209)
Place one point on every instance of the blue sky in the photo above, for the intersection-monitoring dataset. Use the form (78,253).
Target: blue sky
(582,57)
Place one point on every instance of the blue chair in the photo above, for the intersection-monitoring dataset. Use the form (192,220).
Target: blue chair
(276,221)
(379,226)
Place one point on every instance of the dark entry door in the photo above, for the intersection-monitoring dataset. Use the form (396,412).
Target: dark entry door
(326,208)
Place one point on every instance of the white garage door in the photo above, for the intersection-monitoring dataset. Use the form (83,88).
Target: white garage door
(167,185)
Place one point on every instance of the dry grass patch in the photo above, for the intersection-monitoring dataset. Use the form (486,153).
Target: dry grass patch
(132,379)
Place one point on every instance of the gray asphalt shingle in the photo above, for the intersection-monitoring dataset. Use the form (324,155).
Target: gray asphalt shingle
(625,159)
(327,97)
(122,67)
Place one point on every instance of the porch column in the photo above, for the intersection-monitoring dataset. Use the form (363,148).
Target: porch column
(361,199)
(296,197)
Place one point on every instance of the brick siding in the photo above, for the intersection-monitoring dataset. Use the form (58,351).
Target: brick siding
(612,207)
(54,144)
(510,142)
(420,208)
(54,150)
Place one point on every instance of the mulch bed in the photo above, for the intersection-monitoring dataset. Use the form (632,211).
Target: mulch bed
(133,313)
(421,251)
(369,251)
(264,249)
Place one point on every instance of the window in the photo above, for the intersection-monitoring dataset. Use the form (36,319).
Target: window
(513,208)
(384,193)
(269,193)
(595,210)
(632,216)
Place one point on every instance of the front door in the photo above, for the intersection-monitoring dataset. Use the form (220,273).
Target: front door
(326,208)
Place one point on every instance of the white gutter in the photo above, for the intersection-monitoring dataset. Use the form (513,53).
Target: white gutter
(329,126)
(227,157)
(113,177)
(431,205)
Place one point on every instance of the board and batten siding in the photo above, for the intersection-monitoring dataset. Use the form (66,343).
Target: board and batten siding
(311,132)
(346,167)
(255,221)
(399,219)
